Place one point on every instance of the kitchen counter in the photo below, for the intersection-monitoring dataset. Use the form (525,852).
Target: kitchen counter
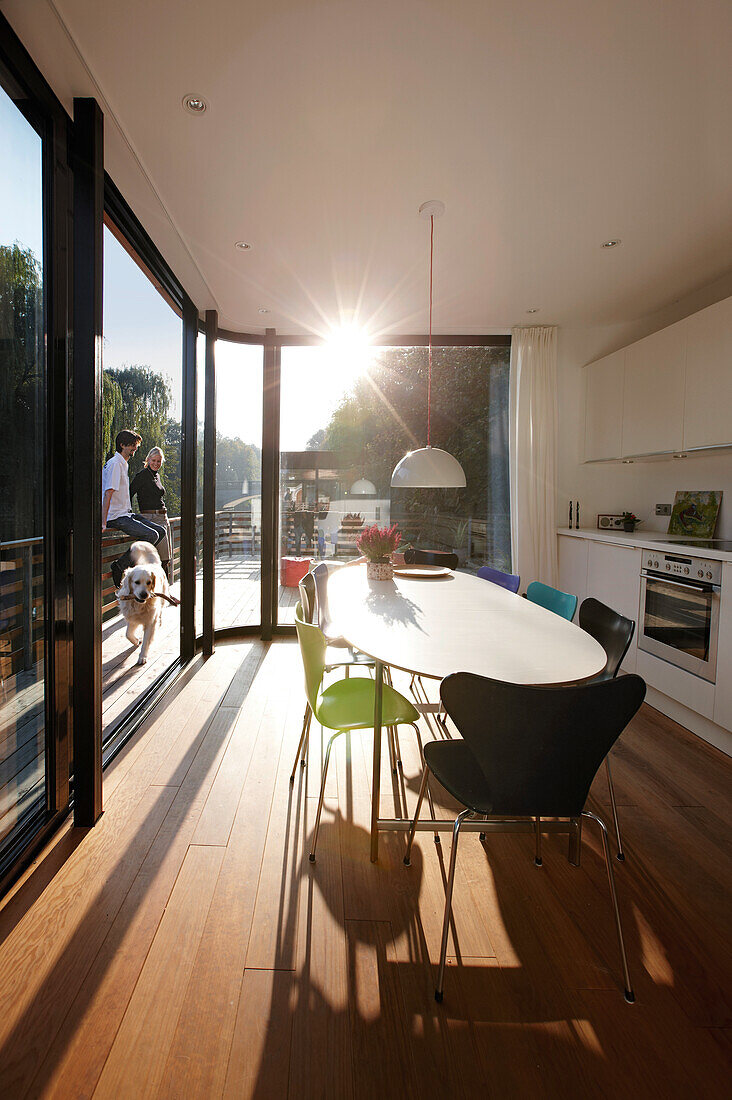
(649,539)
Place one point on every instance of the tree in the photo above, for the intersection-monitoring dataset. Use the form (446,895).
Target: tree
(22,392)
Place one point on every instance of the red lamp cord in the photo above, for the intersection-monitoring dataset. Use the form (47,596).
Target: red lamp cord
(429,368)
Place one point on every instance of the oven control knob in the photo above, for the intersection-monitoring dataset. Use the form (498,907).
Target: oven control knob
(655,565)
(701,572)
(709,575)
(667,565)
(650,561)
(686,570)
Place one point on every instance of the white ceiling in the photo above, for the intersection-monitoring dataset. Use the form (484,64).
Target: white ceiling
(545,128)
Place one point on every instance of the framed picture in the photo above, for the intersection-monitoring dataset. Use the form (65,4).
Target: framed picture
(695,513)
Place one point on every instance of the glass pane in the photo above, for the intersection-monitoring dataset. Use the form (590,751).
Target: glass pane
(22,414)
(679,617)
(142,394)
(239,379)
(348,416)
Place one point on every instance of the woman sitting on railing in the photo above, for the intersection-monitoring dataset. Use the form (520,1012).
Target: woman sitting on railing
(151,502)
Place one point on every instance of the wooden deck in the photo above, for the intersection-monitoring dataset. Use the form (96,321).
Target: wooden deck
(185,947)
(22,764)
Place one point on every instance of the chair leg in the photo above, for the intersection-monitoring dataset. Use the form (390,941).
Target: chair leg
(613,806)
(307,718)
(429,792)
(413,826)
(537,856)
(448,902)
(629,994)
(322,796)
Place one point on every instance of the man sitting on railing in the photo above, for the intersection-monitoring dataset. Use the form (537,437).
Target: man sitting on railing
(116,505)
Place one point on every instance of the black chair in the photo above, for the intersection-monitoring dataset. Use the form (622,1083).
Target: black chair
(536,758)
(614,633)
(430,557)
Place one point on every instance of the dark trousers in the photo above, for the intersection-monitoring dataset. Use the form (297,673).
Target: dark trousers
(142,530)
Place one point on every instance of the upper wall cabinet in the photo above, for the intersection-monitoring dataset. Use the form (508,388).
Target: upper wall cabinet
(708,394)
(669,392)
(653,394)
(604,408)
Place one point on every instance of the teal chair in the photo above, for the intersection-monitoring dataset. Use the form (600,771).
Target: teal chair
(344,705)
(563,604)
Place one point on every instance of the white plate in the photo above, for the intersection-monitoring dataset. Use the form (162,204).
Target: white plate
(422,571)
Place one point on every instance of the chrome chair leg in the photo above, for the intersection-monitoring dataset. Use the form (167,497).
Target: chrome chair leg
(613,806)
(303,737)
(429,792)
(629,994)
(448,901)
(537,856)
(413,826)
(322,796)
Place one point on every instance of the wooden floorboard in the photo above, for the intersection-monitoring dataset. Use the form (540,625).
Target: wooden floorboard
(186,947)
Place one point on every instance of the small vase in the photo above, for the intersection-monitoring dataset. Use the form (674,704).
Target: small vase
(379,570)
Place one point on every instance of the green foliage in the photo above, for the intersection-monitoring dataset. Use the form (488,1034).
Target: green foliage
(237,461)
(385,415)
(22,399)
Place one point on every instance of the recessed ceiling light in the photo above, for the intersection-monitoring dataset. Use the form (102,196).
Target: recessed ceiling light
(262,310)
(536,310)
(611,243)
(194,104)
(242,246)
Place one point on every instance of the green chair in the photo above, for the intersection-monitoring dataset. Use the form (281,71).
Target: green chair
(346,704)
(563,604)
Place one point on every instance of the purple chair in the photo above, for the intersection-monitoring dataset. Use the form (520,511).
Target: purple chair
(505,580)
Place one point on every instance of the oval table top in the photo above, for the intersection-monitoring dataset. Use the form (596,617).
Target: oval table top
(437,625)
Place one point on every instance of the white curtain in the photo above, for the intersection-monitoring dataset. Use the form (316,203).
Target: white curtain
(533,451)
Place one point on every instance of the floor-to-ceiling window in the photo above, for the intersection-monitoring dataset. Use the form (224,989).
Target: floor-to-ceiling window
(348,413)
(22,475)
(200,420)
(238,530)
(142,393)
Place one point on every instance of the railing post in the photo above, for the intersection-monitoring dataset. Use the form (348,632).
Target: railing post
(27,587)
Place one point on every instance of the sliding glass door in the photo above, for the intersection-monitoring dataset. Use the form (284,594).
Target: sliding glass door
(23,535)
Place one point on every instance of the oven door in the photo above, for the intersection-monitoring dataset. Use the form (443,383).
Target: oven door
(679,622)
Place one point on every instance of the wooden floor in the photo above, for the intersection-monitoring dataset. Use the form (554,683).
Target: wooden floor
(185,947)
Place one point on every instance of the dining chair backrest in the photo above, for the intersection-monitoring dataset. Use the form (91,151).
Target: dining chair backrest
(506,580)
(322,615)
(553,599)
(308,597)
(539,748)
(430,557)
(611,629)
(312,650)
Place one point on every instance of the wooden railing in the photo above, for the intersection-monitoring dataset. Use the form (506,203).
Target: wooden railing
(21,606)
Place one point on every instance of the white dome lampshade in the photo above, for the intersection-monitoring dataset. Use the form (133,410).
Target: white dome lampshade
(363,488)
(428,468)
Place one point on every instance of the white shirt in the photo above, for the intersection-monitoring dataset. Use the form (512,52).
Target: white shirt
(115,475)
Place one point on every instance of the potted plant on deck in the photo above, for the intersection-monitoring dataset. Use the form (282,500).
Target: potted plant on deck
(377,544)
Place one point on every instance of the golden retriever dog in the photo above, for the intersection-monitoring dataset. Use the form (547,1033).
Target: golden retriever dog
(139,596)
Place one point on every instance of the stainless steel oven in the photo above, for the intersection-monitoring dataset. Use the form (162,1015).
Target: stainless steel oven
(679,610)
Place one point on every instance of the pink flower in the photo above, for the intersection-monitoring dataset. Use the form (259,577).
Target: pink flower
(378,543)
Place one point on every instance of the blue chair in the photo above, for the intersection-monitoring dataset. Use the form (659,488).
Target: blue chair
(563,604)
(506,580)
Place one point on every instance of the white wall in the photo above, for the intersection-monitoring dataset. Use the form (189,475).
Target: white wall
(637,487)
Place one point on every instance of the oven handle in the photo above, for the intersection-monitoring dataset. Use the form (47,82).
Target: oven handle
(682,584)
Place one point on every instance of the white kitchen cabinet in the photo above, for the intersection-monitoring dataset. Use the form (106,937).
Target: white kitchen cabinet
(708,394)
(613,577)
(653,392)
(723,692)
(572,554)
(604,407)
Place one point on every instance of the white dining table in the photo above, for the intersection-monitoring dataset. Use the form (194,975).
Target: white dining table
(435,625)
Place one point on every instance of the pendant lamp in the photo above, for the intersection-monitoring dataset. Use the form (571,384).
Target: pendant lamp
(429,467)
